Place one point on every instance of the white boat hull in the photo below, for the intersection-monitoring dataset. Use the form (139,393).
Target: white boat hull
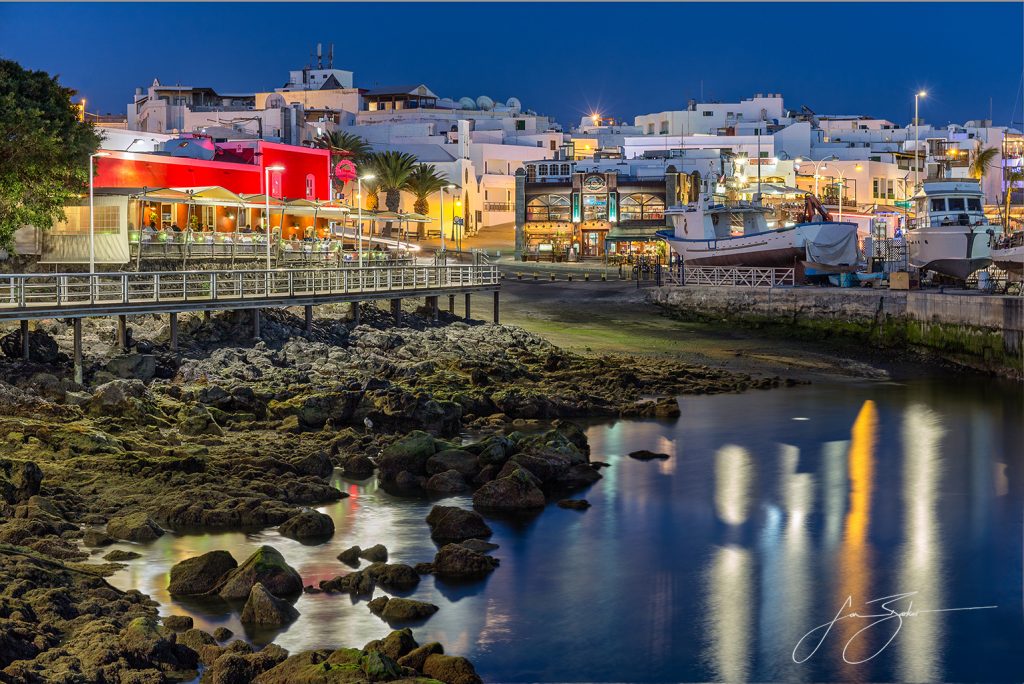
(781,248)
(1010,259)
(954,251)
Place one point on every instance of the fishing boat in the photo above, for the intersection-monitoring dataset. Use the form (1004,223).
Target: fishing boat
(950,235)
(706,234)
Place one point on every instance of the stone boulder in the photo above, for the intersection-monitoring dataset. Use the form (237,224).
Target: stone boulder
(417,656)
(358,583)
(267,567)
(448,482)
(456,562)
(493,450)
(395,609)
(454,524)
(178,623)
(41,347)
(134,527)
(200,574)
(516,491)
(145,645)
(395,645)
(645,455)
(378,553)
(463,462)
(97,538)
(358,467)
(377,667)
(350,556)
(308,524)
(263,608)
(450,669)
(393,576)
(129,366)
(409,454)
(19,480)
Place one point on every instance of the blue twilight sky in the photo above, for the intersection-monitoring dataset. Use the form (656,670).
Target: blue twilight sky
(561,59)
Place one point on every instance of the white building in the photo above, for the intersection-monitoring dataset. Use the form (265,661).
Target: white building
(706,118)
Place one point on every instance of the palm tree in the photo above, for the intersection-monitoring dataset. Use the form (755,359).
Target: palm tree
(393,170)
(982,160)
(424,182)
(342,144)
(1011,177)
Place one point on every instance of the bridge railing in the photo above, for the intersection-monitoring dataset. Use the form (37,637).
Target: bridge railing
(78,289)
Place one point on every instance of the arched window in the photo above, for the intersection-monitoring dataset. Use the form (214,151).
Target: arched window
(642,207)
(542,170)
(548,208)
(565,170)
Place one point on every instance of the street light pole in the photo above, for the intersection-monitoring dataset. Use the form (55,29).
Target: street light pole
(443,251)
(917,137)
(359,198)
(266,196)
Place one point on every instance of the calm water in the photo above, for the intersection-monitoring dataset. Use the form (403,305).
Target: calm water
(775,507)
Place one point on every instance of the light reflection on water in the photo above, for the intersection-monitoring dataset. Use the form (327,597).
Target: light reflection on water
(712,565)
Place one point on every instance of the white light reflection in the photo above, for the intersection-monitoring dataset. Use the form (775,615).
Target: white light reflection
(734,476)
(729,613)
(921,558)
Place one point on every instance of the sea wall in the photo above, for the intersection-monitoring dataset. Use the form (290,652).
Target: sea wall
(978,331)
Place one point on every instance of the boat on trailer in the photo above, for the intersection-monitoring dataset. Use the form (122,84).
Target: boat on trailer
(950,235)
(706,234)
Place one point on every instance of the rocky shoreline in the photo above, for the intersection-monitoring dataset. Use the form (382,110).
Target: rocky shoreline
(235,435)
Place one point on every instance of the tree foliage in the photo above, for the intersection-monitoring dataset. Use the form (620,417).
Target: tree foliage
(345,145)
(982,160)
(44,150)
(423,182)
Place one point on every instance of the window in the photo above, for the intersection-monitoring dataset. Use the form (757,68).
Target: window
(762,154)
(664,127)
(548,208)
(552,144)
(540,143)
(875,159)
(531,172)
(310,186)
(520,124)
(956,204)
(938,204)
(565,170)
(542,170)
(706,112)
(973,204)
(595,207)
(642,207)
(108,220)
(874,187)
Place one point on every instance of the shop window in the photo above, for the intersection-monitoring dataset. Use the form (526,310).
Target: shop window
(595,207)
(548,208)
(642,207)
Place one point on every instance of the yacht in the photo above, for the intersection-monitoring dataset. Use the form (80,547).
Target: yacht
(706,234)
(950,235)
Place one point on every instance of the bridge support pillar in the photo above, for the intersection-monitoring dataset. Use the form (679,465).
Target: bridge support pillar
(432,303)
(468,307)
(451,304)
(24,339)
(255,324)
(356,312)
(76,327)
(173,325)
(309,319)
(496,306)
(122,332)
(396,310)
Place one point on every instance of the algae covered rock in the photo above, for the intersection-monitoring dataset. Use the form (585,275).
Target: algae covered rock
(267,567)
(450,669)
(396,644)
(263,608)
(378,553)
(350,556)
(409,454)
(454,524)
(454,561)
(135,527)
(308,525)
(199,575)
(393,576)
(394,609)
(514,492)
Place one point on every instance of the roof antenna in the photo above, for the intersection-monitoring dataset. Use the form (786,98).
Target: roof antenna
(319,56)
(330,57)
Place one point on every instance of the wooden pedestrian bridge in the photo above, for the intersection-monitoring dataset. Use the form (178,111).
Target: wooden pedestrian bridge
(75,296)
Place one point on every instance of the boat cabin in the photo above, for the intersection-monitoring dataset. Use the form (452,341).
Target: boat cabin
(949,203)
(718,222)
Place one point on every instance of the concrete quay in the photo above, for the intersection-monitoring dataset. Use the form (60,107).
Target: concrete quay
(984,332)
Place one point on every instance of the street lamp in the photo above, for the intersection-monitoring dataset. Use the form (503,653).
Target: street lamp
(447,187)
(92,214)
(359,228)
(820,164)
(842,184)
(266,196)
(917,136)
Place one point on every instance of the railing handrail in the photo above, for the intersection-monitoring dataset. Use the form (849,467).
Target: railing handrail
(122,274)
